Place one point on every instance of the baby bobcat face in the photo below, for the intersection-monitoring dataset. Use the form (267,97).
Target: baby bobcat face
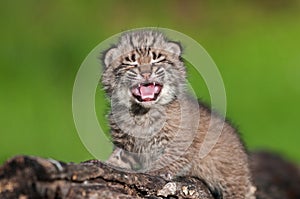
(144,68)
(144,75)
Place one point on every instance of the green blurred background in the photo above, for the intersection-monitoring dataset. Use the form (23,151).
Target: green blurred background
(255,44)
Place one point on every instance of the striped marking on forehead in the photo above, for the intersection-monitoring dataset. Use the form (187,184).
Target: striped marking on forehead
(144,60)
(143,56)
(142,40)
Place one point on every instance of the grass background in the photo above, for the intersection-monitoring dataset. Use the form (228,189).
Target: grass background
(254,43)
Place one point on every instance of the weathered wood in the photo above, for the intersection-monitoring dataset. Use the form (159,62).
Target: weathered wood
(33,177)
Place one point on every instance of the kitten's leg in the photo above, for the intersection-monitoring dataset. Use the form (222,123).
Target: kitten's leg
(170,169)
(123,159)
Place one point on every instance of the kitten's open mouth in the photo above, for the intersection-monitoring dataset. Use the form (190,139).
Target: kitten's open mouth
(146,92)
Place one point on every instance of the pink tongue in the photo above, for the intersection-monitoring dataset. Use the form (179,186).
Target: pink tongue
(147,92)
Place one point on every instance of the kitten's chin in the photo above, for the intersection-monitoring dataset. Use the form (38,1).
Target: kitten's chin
(146,104)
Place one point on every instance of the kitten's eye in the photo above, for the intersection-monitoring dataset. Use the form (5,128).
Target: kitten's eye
(133,57)
(154,55)
(127,59)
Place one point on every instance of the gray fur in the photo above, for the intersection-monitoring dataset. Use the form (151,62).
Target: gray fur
(165,136)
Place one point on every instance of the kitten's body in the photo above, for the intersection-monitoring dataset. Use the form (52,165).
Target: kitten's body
(159,128)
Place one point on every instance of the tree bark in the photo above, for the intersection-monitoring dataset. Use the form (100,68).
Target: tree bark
(34,177)
(26,177)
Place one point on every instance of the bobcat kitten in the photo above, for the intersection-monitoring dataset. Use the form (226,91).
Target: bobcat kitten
(158,127)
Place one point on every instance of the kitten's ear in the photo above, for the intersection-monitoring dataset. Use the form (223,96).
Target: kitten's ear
(109,56)
(174,48)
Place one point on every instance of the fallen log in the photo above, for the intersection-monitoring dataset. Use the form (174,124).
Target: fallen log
(34,177)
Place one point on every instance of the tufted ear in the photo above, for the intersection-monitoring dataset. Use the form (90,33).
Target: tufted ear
(109,56)
(174,48)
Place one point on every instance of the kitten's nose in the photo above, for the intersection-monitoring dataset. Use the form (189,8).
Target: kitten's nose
(145,71)
(146,75)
